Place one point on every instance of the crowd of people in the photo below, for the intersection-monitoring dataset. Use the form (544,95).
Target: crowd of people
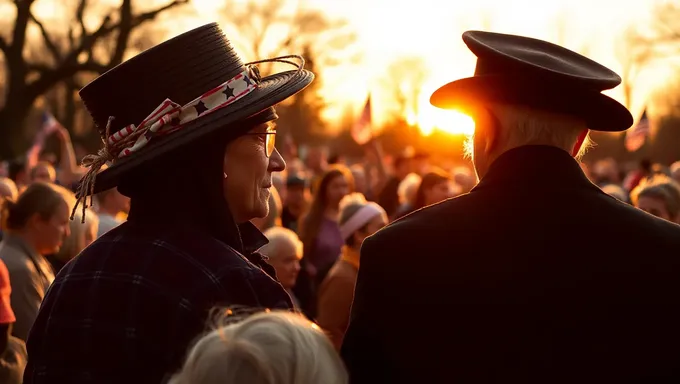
(230,261)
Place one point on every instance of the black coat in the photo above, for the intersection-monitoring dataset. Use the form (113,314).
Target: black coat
(535,276)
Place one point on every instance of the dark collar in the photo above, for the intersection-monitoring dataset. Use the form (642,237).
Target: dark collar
(535,165)
(251,237)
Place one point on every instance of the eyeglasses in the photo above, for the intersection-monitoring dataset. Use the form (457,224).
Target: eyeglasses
(270,139)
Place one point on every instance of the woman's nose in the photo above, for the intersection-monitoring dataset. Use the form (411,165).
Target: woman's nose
(276,162)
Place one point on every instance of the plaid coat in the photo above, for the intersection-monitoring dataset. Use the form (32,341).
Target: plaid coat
(128,307)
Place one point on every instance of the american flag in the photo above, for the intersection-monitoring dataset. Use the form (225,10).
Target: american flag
(636,136)
(362,131)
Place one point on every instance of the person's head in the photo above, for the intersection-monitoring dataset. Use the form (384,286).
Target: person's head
(273,217)
(17,172)
(616,192)
(40,215)
(317,159)
(659,196)
(435,186)
(403,165)
(501,127)
(43,171)
(407,189)
(196,144)
(360,219)
(284,251)
(81,235)
(297,196)
(112,202)
(335,183)
(8,189)
(527,91)
(265,348)
(675,171)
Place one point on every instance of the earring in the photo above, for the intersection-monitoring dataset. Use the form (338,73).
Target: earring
(225,175)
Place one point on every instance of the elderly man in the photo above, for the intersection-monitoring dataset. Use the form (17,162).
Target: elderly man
(504,284)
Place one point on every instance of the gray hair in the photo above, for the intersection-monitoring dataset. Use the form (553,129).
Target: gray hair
(265,348)
(526,126)
(659,187)
(279,236)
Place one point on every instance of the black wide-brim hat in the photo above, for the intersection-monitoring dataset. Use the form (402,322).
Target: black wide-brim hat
(521,70)
(198,70)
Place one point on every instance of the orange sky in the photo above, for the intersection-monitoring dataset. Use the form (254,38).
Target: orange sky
(431,29)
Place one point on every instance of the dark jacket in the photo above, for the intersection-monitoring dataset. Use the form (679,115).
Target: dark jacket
(535,276)
(128,307)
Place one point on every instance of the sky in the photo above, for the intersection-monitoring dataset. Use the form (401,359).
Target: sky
(431,30)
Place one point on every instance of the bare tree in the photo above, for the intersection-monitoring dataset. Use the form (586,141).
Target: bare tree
(634,52)
(404,80)
(268,28)
(26,79)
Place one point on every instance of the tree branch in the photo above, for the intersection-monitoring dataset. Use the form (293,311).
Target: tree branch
(48,41)
(50,76)
(124,30)
(15,51)
(3,45)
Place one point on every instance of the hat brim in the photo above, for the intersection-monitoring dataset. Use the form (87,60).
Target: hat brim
(600,112)
(270,91)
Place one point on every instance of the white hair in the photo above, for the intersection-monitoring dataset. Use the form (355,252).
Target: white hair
(266,348)
(278,236)
(408,188)
(526,126)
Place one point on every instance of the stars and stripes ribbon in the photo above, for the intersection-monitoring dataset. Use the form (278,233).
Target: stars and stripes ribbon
(170,116)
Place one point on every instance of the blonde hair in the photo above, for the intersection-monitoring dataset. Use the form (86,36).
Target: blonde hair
(266,348)
(526,126)
(408,188)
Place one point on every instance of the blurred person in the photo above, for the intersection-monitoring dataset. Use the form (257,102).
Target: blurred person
(12,350)
(660,169)
(110,204)
(320,234)
(296,202)
(408,188)
(634,177)
(388,197)
(284,252)
(316,163)
(35,225)
(659,196)
(273,217)
(358,220)
(265,348)
(675,171)
(533,302)
(17,172)
(197,169)
(81,235)
(435,186)
(606,171)
(44,172)
(464,178)
(616,191)
(8,189)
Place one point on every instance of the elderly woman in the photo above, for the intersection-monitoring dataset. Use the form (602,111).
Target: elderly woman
(197,168)
(284,252)
(358,220)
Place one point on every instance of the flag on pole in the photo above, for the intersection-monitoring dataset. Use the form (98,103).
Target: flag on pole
(362,131)
(636,136)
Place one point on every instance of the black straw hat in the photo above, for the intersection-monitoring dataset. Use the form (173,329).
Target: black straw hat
(521,70)
(174,94)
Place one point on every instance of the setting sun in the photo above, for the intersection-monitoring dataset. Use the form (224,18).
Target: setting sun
(454,122)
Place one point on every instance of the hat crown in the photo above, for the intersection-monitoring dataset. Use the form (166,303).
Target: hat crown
(511,55)
(180,69)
